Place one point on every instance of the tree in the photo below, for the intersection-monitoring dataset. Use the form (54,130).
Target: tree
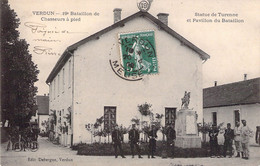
(18,72)
(53,119)
(145,110)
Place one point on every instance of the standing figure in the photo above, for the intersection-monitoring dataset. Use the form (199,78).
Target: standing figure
(134,140)
(36,132)
(237,138)
(170,136)
(213,135)
(246,132)
(152,135)
(185,100)
(10,139)
(228,135)
(117,139)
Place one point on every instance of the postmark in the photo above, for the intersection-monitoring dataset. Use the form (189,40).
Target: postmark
(138,53)
(144,5)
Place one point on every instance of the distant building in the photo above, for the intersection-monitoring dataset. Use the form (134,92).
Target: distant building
(233,102)
(42,113)
(136,60)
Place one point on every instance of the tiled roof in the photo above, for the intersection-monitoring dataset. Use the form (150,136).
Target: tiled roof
(43,105)
(238,93)
(69,51)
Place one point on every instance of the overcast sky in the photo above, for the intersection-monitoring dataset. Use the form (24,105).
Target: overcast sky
(234,47)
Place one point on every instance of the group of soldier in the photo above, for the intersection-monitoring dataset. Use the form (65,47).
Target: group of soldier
(239,135)
(27,134)
(134,141)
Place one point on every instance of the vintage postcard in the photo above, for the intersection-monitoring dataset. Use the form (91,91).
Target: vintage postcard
(130,82)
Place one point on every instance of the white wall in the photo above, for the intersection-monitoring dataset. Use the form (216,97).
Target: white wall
(250,113)
(96,85)
(61,95)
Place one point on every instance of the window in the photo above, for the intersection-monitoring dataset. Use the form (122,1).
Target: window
(54,88)
(62,114)
(214,118)
(58,87)
(69,78)
(109,117)
(50,92)
(63,80)
(59,113)
(236,116)
(170,116)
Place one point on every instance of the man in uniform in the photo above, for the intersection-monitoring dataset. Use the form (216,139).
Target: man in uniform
(36,131)
(152,135)
(246,132)
(228,135)
(213,141)
(170,136)
(237,138)
(116,139)
(134,139)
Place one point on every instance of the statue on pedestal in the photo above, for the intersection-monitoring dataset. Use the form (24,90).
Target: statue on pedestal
(185,100)
(186,125)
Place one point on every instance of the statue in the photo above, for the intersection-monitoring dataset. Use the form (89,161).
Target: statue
(186,125)
(185,100)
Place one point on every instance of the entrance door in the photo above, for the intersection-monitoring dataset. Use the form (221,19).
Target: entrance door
(170,116)
(109,117)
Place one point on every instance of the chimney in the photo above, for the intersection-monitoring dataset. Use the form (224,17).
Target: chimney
(215,83)
(245,77)
(117,14)
(163,17)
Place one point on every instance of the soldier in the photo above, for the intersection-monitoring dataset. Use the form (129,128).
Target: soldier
(246,132)
(36,131)
(152,135)
(116,139)
(134,139)
(228,135)
(237,138)
(171,136)
(213,135)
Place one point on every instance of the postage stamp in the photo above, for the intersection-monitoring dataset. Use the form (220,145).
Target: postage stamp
(138,53)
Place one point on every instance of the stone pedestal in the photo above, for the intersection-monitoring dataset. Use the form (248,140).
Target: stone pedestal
(187,130)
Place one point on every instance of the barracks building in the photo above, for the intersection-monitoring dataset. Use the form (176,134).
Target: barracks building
(136,60)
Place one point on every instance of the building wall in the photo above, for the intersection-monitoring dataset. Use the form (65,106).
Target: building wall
(96,85)
(61,89)
(42,119)
(250,113)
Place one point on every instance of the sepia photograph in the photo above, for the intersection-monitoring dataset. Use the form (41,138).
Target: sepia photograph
(130,82)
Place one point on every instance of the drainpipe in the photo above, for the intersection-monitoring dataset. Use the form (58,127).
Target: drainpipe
(72,104)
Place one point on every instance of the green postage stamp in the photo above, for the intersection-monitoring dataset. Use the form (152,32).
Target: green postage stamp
(138,53)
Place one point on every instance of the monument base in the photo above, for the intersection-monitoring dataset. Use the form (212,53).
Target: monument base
(188,142)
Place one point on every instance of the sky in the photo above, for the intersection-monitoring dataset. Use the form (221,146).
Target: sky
(234,48)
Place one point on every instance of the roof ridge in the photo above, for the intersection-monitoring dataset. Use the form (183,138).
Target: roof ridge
(69,50)
(243,81)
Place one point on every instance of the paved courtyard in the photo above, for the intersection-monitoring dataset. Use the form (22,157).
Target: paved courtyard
(50,154)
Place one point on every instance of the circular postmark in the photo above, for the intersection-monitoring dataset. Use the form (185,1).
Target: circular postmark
(137,55)
(120,70)
(144,5)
